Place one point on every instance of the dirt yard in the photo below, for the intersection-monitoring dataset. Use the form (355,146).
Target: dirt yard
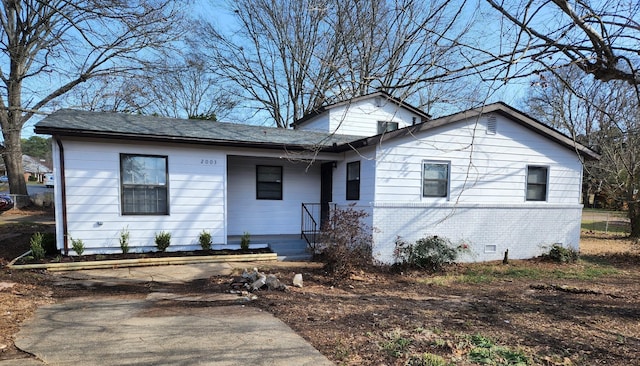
(524,313)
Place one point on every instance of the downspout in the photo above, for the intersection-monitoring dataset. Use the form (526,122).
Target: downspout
(63,194)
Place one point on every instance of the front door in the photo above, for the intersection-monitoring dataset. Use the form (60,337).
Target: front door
(326,191)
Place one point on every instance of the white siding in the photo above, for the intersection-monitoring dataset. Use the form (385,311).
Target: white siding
(484,168)
(92,178)
(486,203)
(360,118)
(318,123)
(367,181)
(367,177)
(300,184)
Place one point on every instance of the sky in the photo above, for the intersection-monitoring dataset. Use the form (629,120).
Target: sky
(511,93)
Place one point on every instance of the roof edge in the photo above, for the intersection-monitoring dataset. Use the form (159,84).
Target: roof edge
(499,107)
(380,93)
(172,139)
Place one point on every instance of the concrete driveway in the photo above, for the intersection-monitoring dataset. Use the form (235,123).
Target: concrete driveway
(161,329)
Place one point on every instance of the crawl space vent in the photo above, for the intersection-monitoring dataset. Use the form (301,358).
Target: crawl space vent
(491,248)
(492,125)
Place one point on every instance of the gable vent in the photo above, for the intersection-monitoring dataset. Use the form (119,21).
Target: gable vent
(492,125)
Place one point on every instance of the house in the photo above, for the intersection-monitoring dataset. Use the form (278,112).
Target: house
(34,169)
(492,177)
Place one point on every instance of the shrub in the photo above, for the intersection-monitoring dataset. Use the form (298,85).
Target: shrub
(430,253)
(37,250)
(205,240)
(245,240)
(77,245)
(124,241)
(163,240)
(560,254)
(426,359)
(346,242)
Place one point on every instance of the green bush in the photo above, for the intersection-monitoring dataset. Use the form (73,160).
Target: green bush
(124,241)
(430,253)
(77,245)
(346,242)
(245,240)
(37,250)
(560,254)
(163,240)
(205,240)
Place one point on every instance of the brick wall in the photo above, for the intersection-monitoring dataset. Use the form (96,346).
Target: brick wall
(527,230)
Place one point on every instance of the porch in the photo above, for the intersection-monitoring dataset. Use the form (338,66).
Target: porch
(288,247)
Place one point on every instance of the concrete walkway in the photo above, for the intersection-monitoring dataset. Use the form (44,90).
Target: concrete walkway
(161,329)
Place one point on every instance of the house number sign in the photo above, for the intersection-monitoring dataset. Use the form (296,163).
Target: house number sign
(208,162)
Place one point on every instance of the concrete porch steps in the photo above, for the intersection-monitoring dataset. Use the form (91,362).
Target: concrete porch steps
(287,247)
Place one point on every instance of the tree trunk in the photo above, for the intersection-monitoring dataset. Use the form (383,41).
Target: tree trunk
(12,123)
(634,218)
(12,154)
(13,162)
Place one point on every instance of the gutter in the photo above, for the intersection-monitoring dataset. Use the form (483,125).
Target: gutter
(63,198)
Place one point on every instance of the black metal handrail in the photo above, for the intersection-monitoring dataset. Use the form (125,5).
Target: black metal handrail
(309,225)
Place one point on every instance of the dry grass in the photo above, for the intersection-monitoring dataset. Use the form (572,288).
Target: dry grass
(591,244)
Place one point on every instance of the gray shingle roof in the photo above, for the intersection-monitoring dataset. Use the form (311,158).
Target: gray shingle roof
(70,122)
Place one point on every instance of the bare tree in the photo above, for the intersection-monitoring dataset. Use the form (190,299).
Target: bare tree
(112,93)
(275,56)
(177,87)
(599,37)
(291,57)
(48,48)
(188,89)
(604,115)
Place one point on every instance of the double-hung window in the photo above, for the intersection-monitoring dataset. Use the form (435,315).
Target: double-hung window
(268,182)
(537,182)
(435,179)
(353,180)
(143,181)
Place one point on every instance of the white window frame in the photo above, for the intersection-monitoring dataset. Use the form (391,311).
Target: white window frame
(448,181)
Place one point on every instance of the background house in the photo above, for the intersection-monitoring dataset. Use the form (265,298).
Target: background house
(492,177)
(34,168)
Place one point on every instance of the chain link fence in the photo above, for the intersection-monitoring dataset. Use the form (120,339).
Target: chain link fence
(44,199)
(611,222)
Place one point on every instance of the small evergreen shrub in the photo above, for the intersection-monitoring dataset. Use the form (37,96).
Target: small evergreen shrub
(430,253)
(124,241)
(77,245)
(346,242)
(37,250)
(245,240)
(163,240)
(560,254)
(205,240)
